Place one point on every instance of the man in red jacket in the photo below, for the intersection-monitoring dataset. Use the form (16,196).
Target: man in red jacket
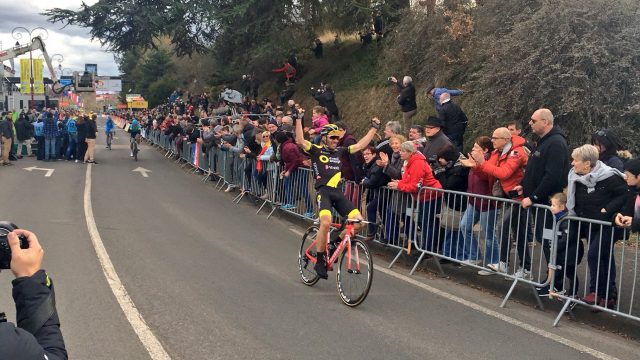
(417,173)
(505,169)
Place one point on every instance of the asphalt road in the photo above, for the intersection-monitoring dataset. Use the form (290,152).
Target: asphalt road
(214,281)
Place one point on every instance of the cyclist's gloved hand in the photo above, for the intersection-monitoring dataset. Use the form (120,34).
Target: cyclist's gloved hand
(375,123)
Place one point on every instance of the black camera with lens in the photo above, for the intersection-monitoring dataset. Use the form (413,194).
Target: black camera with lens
(5,251)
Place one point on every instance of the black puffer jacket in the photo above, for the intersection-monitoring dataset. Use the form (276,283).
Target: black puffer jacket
(547,168)
(17,343)
(607,194)
(407,98)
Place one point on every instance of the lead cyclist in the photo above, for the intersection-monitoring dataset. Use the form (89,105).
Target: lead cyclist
(325,164)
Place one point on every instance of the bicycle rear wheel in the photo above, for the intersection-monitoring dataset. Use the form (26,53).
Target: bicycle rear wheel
(305,265)
(355,275)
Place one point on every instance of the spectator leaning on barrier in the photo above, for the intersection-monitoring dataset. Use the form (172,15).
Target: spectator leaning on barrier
(391,128)
(406,99)
(374,179)
(417,173)
(436,141)
(396,202)
(479,210)
(608,145)
(293,173)
(505,169)
(629,216)
(454,119)
(416,134)
(592,192)
(452,176)
(546,170)
(435,93)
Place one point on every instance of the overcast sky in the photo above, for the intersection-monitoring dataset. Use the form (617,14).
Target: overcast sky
(72,42)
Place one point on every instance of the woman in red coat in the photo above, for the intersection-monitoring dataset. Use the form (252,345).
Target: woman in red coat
(416,174)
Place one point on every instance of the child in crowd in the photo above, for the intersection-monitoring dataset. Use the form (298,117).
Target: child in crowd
(569,252)
(629,217)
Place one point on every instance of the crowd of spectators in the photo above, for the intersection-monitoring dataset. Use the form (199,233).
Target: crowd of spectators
(49,135)
(588,182)
(411,156)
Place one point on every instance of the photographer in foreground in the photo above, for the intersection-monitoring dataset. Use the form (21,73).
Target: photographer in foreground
(38,334)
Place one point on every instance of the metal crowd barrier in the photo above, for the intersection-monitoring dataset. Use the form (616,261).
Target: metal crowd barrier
(469,229)
(588,261)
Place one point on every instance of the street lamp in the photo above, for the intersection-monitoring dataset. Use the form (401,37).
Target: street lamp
(17,34)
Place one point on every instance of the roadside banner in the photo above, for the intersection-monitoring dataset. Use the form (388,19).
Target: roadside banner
(38,76)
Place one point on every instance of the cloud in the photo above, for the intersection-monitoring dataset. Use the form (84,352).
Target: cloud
(72,42)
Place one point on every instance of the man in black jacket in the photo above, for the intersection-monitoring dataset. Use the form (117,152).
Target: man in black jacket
(454,119)
(327,99)
(24,133)
(406,99)
(38,334)
(546,171)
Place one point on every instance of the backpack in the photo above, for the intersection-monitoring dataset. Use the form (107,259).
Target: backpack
(71,127)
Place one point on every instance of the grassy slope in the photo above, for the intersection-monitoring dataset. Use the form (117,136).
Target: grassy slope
(361,88)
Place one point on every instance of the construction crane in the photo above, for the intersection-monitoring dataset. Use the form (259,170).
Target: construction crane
(36,44)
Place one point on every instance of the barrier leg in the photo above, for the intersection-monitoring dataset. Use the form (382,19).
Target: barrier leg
(564,309)
(535,294)
(396,258)
(506,298)
(418,263)
(273,209)
(261,206)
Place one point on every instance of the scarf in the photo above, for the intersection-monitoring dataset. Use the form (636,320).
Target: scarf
(598,173)
(265,147)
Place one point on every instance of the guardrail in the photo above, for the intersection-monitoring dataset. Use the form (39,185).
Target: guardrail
(473,230)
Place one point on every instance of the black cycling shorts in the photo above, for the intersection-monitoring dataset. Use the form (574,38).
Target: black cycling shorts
(332,198)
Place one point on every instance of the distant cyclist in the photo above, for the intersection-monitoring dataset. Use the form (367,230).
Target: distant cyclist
(134,130)
(109,127)
(325,163)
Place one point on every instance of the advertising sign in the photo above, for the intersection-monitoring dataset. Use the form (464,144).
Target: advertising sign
(38,76)
(138,104)
(25,75)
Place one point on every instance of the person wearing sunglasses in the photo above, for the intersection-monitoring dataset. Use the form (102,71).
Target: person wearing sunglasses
(325,164)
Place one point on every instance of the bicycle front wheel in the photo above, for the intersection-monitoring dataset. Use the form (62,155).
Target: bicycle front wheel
(135,151)
(355,273)
(305,265)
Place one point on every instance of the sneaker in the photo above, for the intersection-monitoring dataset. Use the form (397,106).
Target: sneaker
(230,188)
(321,266)
(611,304)
(309,215)
(131,154)
(485,272)
(500,267)
(286,207)
(523,273)
(590,298)
(472,262)
(76,160)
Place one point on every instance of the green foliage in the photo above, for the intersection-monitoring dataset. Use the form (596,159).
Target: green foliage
(578,58)
(160,90)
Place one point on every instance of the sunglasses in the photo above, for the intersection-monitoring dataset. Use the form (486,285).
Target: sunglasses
(335,137)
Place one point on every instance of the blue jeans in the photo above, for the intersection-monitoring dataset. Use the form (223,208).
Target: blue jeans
(71,147)
(430,224)
(454,244)
(296,185)
(487,225)
(49,148)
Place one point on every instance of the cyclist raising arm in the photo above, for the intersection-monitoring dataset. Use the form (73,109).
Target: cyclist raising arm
(325,164)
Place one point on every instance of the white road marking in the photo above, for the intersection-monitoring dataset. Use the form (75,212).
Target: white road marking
(148,339)
(551,336)
(48,174)
(142,171)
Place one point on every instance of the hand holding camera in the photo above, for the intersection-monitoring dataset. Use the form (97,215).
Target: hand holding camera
(20,250)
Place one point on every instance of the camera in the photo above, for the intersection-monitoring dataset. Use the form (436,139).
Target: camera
(5,251)
(513,194)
